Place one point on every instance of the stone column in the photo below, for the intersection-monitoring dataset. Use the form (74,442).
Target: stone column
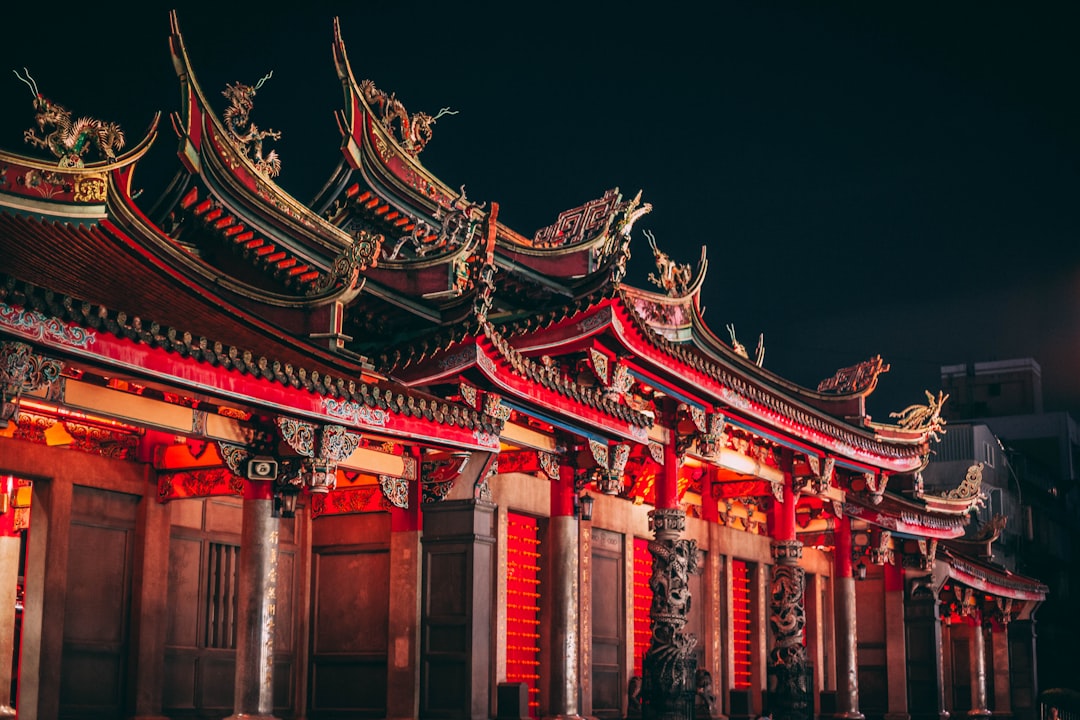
(403,671)
(149,604)
(978,671)
(895,648)
(999,650)
(789,672)
(847,664)
(9,585)
(256,605)
(564,695)
(669,665)
(925,671)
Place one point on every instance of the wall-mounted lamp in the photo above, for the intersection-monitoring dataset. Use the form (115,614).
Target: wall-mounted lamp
(583,506)
(285,495)
(860,571)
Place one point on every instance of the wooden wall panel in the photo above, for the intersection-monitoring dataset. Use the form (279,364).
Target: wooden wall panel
(93,668)
(608,625)
(350,633)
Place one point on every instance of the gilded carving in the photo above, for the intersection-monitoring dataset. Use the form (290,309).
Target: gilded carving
(855,379)
(669,663)
(671,277)
(926,418)
(70,139)
(246,135)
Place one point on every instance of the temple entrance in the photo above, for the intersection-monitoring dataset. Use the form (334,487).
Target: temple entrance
(93,668)
(608,624)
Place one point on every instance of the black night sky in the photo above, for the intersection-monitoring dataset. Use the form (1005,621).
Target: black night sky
(897,178)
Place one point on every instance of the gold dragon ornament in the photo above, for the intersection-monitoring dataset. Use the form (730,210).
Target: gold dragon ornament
(70,139)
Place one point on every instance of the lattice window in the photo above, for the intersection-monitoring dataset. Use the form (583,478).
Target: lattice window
(643,597)
(523,606)
(741,618)
(222,578)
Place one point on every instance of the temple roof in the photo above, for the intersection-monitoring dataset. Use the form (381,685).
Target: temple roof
(390,262)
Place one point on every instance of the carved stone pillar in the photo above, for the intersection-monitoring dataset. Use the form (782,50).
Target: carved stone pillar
(789,672)
(564,697)
(669,665)
(256,605)
(925,670)
(847,666)
(978,671)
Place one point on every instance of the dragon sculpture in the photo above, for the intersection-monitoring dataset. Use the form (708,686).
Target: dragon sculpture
(246,134)
(70,139)
(413,132)
(674,279)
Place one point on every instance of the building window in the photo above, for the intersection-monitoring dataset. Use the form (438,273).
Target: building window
(988,454)
(742,622)
(222,578)
(642,601)
(523,606)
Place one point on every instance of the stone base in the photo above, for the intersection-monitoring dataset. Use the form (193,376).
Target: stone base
(852,715)
(6,711)
(979,713)
(251,716)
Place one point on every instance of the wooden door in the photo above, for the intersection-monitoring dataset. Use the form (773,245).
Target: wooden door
(93,666)
(608,625)
(349,633)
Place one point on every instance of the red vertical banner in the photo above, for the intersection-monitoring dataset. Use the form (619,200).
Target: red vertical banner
(741,635)
(523,606)
(642,601)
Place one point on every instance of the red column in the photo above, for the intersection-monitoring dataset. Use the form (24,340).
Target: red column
(403,626)
(667,482)
(709,511)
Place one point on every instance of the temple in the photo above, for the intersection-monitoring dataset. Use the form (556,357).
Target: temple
(380,455)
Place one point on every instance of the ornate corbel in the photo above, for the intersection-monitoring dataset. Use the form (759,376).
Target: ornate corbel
(1003,607)
(883,553)
(23,371)
(550,464)
(822,481)
(438,476)
(876,486)
(927,553)
(335,444)
(395,490)
(599,363)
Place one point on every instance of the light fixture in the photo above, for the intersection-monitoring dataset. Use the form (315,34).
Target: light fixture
(860,571)
(285,496)
(57,434)
(583,506)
